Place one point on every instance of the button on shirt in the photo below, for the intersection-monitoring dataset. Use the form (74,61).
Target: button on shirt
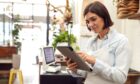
(112,55)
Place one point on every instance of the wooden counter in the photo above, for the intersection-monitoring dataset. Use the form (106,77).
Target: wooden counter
(6,53)
(132,77)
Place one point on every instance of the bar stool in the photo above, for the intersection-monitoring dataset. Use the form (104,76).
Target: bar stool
(13,73)
(15,70)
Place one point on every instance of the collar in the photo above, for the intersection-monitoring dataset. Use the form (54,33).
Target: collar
(106,35)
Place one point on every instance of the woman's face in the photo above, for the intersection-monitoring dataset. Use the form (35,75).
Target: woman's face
(94,22)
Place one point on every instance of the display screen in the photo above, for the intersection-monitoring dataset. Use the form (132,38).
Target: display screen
(49,54)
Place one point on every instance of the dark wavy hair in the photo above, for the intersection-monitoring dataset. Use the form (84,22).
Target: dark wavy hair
(99,9)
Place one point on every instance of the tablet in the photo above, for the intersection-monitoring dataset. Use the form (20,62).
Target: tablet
(70,53)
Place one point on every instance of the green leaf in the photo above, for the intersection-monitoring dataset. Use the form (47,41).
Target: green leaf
(63,37)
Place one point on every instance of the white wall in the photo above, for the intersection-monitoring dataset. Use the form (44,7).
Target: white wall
(131,28)
(132,31)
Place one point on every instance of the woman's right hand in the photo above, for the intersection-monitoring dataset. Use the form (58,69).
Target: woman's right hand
(86,57)
(71,65)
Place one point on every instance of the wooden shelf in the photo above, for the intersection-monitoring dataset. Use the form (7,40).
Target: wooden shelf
(132,77)
(6,53)
(5,60)
(4,72)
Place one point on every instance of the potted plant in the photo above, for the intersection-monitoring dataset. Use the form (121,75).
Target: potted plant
(64,37)
(15,32)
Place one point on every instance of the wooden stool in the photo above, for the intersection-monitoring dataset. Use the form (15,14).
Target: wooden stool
(14,72)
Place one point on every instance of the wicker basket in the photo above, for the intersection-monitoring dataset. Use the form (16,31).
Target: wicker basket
(125,8)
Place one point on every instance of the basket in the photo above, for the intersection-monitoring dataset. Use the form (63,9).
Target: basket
(126,8)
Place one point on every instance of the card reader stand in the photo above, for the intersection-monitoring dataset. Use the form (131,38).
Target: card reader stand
(53,68)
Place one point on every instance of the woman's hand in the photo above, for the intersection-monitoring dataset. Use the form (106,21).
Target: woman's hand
(86,57)
(71,65)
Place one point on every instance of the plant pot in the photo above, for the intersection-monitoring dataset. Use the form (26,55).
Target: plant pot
(16,61)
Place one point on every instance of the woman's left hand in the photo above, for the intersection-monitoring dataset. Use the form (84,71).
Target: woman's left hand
(71,65)
(86,57)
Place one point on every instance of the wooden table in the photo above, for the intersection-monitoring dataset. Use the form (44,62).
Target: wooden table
(132,77)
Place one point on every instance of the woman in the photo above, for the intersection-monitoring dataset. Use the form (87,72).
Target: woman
(108,52)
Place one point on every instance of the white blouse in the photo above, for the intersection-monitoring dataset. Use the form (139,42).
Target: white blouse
(113,58)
